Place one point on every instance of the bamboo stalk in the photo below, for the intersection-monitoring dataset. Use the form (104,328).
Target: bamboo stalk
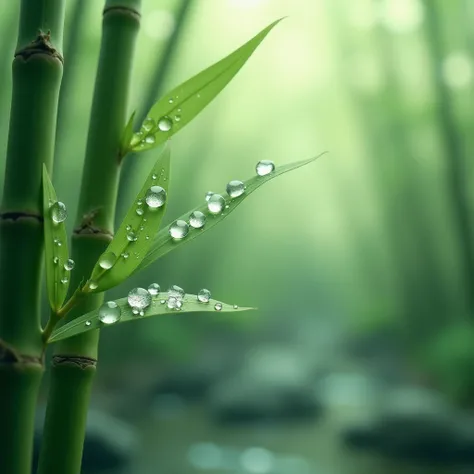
(37,72)
(74,360)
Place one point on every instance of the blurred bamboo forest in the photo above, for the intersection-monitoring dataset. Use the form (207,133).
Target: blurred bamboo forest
(376,237)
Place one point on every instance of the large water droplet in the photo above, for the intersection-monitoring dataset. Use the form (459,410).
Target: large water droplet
(208,195)
(218,306)
(58,212)
(132,236)
(155,197)
(172,302)
(69,265)
(148,124)
(179,229)
(154,289)
(265,167)
(109,313)
(150,139)
(176,291)
(204,296)
(165,124)
(197,219)
(107,260)
(139,299)
(216,204)
(235,188)
(140,211)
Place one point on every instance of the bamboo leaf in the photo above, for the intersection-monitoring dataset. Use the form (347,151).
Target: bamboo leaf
(55,243)
(135,235)
(164,243)
(158,307)
(127,136)
(179,106)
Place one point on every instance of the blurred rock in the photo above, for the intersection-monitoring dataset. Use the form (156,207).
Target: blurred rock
(108,447)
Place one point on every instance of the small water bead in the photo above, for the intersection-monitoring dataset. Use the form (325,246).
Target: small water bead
(142,227)
(142,313)
(93,285)
(147,237)
(125,255)
(235,188)
(140,202)
(153,177)
(57,242)
(107,260)
(135,311)
(64,280)
(265,167)
(140,211)
(165,124)
(132,236)
(148,124)
(170,101)
(139,298)
(56,260)
(154,289)
(204,296)
(69,265)
(58,212)
(197,219)
(176,291)
(177,118)
(218,306)
(88,323)
(110,312)
(162,301)
(179,229)
(209,194)
(235,306)
(150,139)
(129,227)
(216,204)
(179,304)
(155,197)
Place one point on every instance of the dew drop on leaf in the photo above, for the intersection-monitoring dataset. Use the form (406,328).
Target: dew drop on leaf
(172,302)
(93,285)
(177,118)
(64,280)
(204,296)
(150,139)
(148,124)
(235,188)
(218,306)
(265,167)
(109,312)
(208,195)
(139,299)
(165,124)
(69,265)
(197,219)
(155,197)
(56,260)
(235,306)
(140,211)
(58,212)
(176,291)
(132,236)
(216,204)
(125,255)
(88,323)
(107,260)
(179,229)
(154,289)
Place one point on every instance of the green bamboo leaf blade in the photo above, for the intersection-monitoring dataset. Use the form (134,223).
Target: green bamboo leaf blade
(164,243)
(182,104)
(90,321)
(56,250)
(134,237)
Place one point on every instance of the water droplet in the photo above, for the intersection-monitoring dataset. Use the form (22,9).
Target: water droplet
(140,211)
(154,289)
(93,285)
(208,195)
(197,219)
(177,118)
(57,242)
(142,227)
(204,296)
(129,227)
(179,229)
(162,301)
(88,323)
(218,306)
(135,311)
(148,124)
(131,236)
(235,306)
(199,96)
(147,237)
(165,124)
(58,212)
(107,260)
(235,188)
(153,177)
(171,100)
(173,302)
(109,313)
(64,280)
(56,260)
(150,139)
(140,202)
(216,204)
(69,265)
(155,197)
(179,305)
(125,255)
(139,298)
(265,167)
(142,313)
(179,110)
(176,291)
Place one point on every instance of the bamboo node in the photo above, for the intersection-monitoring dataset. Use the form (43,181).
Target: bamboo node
(78,361)
(40,45)
(10,356)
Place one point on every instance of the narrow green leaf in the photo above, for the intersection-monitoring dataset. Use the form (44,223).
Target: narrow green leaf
(127,136)
(90,321)
(55,244)
(135,235)
(164,243)
(179,106)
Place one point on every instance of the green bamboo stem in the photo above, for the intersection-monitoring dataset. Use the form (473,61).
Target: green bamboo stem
(37,72)
(154,90)
(74,359)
